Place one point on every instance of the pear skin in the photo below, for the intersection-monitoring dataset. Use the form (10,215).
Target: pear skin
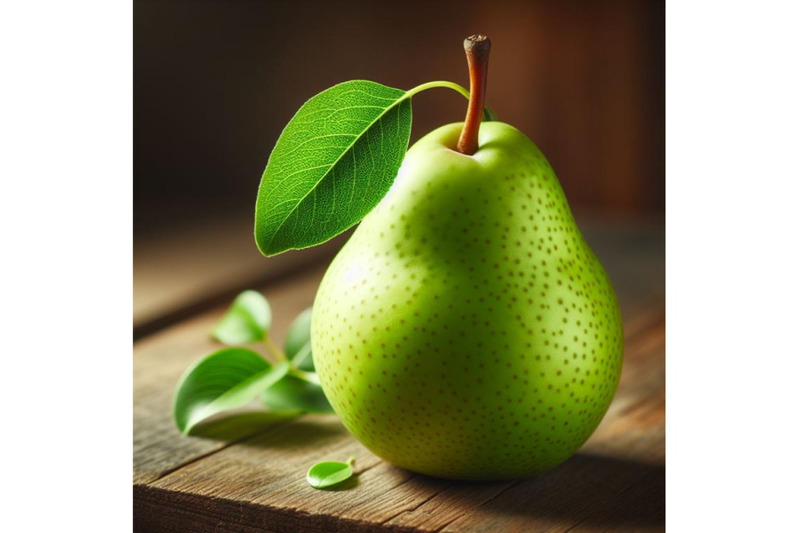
(466,330)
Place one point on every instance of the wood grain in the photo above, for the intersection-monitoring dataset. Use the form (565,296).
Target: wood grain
(184,271)
(248,474)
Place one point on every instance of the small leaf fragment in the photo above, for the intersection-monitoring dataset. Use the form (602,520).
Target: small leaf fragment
(329,473)
(298,341)
(247,320)
(292,393)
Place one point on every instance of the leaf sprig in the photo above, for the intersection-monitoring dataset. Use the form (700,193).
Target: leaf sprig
(230,378)
(333,162)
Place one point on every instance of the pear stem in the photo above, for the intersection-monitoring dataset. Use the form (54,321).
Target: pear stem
(477,48)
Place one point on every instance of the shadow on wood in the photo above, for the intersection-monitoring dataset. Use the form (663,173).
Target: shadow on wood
(304,433)
(590,490)
(586,483)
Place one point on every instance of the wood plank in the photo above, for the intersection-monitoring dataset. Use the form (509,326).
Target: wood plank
(184,271)
(251,476)
(262,477)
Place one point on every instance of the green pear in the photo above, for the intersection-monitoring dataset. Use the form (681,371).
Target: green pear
(466,330)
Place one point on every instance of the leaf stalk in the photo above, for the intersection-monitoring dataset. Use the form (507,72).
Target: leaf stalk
(477,49)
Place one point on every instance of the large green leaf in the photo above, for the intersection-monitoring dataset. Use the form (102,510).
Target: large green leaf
(226,379)
(240,424)
(247,320)
(332,164)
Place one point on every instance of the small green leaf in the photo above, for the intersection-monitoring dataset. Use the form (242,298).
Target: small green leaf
(329,473)
(298,341)
(247,320)
(332,164)
(224,380)
(489,115)
(292,393)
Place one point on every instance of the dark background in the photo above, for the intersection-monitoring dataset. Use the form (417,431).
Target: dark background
(215,82)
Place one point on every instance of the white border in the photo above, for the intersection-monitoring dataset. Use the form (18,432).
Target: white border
(65,237)
(733,167)
(732,197)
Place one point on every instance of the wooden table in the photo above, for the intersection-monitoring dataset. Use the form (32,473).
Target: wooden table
(248,474)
